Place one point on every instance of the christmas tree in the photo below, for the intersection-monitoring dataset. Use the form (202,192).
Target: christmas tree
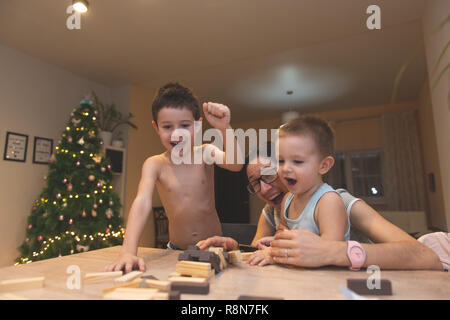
(77,210)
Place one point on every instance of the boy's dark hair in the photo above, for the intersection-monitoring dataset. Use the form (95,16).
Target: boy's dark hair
(174,95)
(317,128)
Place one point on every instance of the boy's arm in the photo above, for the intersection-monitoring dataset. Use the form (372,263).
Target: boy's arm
(137,219)
(331,217)
(218,115)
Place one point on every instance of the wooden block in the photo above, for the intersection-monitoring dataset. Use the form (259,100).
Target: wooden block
(161,296)
(96,277)
(131,294)
(235,256)
(202,273)
(157,284)
(128,277)
(246,255)
(360,287)
(22,284)
(191,287)
(131,284)
(194,265)
(195,269)
(219,252)
(187,279)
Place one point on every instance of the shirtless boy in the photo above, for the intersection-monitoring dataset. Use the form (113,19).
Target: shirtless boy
(186,190)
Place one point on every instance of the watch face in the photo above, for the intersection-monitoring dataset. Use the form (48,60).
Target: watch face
(356,253)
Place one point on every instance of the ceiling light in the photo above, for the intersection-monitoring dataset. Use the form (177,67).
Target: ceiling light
(80,5)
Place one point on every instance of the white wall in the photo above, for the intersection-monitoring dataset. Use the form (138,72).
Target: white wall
(36,99)
(436,12)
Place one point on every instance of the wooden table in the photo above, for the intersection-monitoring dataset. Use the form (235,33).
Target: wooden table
(241,279)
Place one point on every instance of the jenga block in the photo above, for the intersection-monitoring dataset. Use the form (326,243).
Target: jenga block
(194,265)
(131,294)
(235,256)
(202,273)
(128,277)
(131,284)
(96,277)
(191,287)
(161,296)
(219,252)
(246,255)
(157,284)
(22,284)
(360,287)
(188,279)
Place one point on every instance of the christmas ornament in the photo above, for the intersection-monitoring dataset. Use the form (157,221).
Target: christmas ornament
(69,187)
(70,221)
(61,218)
(83,214)
(40,238)
(91,177)
(78,163)
(30,226)
(64,181)
(69,139)
(94,213)
(81,141)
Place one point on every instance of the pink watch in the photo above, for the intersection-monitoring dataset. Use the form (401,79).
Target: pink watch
(356,255)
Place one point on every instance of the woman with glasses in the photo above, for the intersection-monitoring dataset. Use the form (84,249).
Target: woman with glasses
(390,247)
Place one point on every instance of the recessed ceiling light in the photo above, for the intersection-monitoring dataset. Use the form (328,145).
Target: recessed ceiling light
(289,92)
(80,5)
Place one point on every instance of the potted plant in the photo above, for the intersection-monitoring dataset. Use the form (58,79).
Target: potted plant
(109,119)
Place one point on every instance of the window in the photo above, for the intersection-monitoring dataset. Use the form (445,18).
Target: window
(360,172)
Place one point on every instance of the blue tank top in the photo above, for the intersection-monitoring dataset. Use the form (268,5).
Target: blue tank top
(306,220)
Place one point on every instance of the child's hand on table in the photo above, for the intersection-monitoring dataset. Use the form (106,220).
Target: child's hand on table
(126,262)
(261,257)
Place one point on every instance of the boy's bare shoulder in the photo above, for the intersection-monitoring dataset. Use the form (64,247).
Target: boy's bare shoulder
(154,163)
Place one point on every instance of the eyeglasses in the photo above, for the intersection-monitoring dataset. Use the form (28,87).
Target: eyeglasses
(255,186)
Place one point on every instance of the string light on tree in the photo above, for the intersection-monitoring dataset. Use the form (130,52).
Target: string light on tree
(59,223)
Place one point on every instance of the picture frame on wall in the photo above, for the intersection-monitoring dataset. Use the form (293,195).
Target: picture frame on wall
(16,147)
(43,150)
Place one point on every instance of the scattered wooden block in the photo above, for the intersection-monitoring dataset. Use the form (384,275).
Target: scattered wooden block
(131,294)
(195,269)
(191,287)
(128,277)
(360,287)
(198,255)
(235,256)
(96,277)
(219,252)
(131,284)
(246,255)
(156,284)
(188,279)
(22,284)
